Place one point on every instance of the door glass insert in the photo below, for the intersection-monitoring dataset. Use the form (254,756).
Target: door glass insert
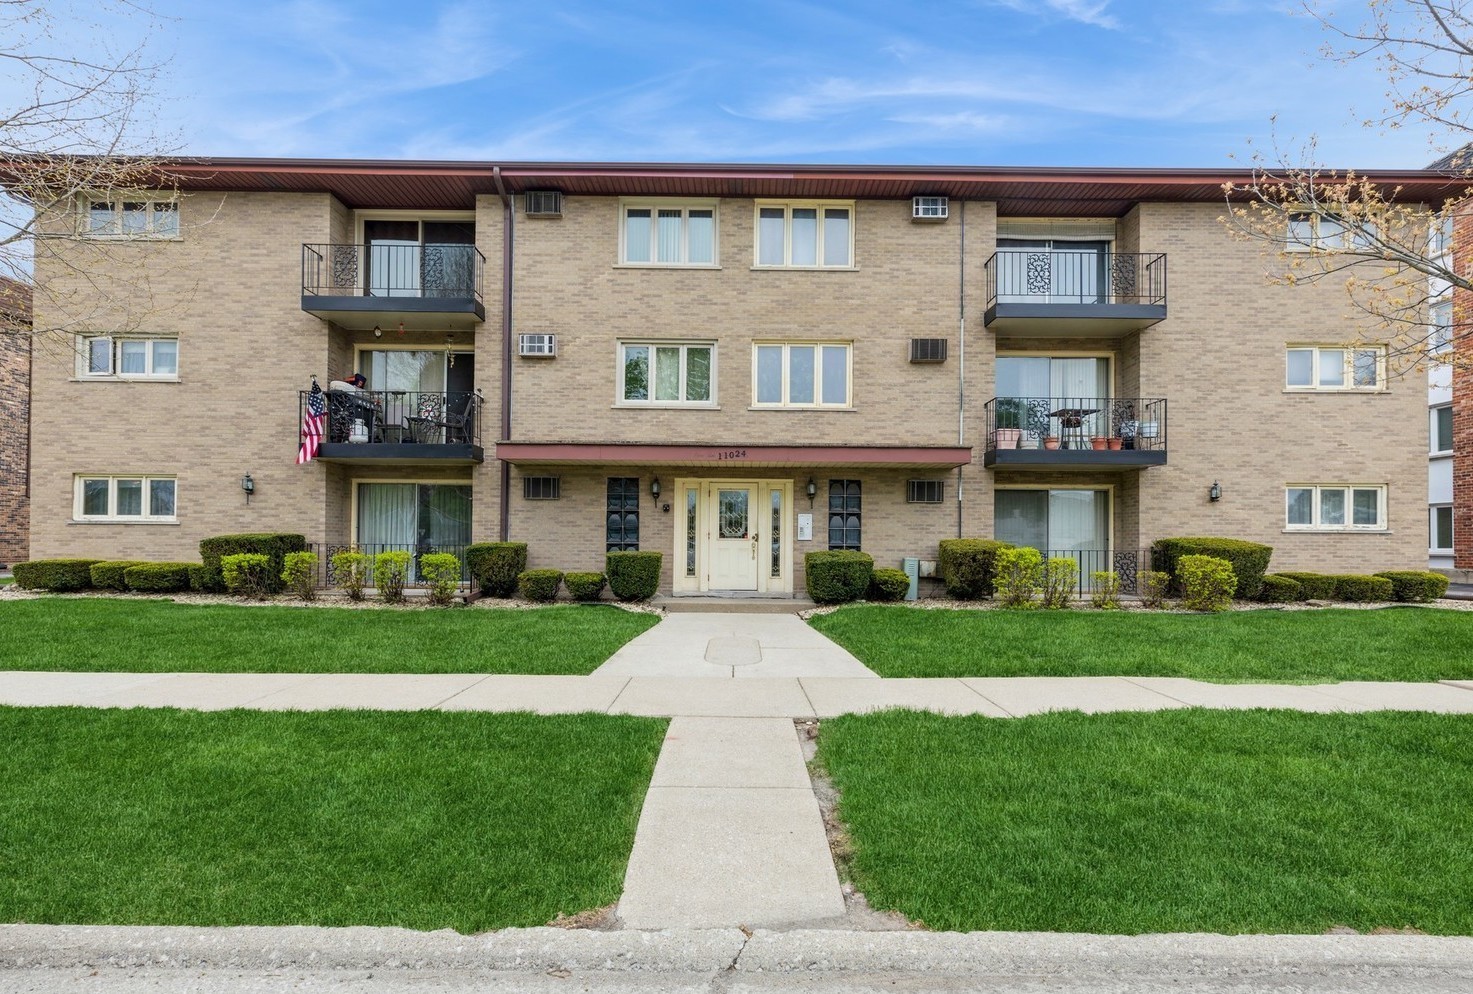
(732,513)
(690,532)
(777,533)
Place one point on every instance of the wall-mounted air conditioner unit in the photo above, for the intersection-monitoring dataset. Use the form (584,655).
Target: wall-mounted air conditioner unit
(544,203)
(537,346)
(928,350)
(929,208)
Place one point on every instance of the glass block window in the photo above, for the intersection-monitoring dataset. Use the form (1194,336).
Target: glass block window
(622,517)
(844,514)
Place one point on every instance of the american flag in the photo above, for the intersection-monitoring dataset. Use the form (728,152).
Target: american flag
(313,424)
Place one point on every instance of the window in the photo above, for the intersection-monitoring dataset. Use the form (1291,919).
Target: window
(806,374)
(140,218)
(1320,232)
(805,236)
(1440,317)
(1335,368)
(1440,238)
(1440,535)
(542,487)
(666,234)
(1335,508)
(925,491)
(664,373)
(622,518)
(130,357)
(1442,429)
(843,514)
(125,498)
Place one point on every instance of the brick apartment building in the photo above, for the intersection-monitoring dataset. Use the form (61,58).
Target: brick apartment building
(733,365)
(15,416)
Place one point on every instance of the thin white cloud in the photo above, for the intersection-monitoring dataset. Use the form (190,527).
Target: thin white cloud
(1090,12)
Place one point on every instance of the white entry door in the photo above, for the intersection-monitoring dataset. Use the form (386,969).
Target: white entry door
(735,536)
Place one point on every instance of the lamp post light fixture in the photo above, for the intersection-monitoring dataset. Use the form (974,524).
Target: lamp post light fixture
(248,485)
(812,492)
(1214,492)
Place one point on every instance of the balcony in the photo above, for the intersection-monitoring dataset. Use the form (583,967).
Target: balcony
(1074,294)
(362,286)
(1084,433)
(398,427)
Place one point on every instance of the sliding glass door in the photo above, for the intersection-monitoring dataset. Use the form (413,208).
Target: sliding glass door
(1073,523)
(414,517)
(1031,389)
(1054,271)
(410,258)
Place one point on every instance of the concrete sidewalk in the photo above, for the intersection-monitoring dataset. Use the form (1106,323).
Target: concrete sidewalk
(707,644)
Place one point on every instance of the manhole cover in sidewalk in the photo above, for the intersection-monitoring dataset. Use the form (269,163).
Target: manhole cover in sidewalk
(733,650)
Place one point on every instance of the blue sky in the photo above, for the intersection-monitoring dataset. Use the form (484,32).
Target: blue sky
(977,82)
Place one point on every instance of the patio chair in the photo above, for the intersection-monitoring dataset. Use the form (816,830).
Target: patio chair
(452,429)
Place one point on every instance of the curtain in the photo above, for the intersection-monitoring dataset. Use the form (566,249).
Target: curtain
(1021,517)
(1083,383)
(668,235)
(700,235)
(444,516)
(386,514)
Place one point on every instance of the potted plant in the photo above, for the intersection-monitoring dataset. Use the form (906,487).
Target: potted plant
(1116,443)
(1009,431)
(1051,441)
(1098,442)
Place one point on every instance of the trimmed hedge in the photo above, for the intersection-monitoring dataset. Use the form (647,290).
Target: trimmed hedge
(540,584)
(496,566)
(634,576)
(299,574)
(585,587)
(1412,586)
(1249,560)
(1358,589)
(838,576)
(108,574)
(199,578)
(441,574)
(273,545)
(390,573)
(1019,573)
(246,574)
(1280,590)
(1153,586)
(1207,583)
(57,576)
(968,567)
(1314,586)
(888,584)
(159,578)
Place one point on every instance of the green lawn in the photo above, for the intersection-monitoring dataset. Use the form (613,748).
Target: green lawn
(422,820)
(1263,821)
(1417,644)
(95,634)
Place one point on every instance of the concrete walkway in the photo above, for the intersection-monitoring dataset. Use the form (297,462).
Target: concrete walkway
(708,644)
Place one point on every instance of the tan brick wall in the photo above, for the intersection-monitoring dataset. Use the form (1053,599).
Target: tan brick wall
(15,416)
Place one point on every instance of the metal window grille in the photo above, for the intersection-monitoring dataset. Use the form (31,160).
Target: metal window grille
(622,515)
(544,203)
(542,487)
(844,514)
(928,350)
(925,491)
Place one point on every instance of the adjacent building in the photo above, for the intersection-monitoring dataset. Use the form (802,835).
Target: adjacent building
(15,417)
(732,365)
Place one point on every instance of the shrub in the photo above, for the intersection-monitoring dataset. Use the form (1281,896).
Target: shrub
(1280,590)
(199,578)
(1104,590)
(1313,586)
(585,586)
(1018,574)
(968,567)
(1411,585)
(539,584)
(1354,588)
(1249,560)
(108,574)
(167,578)
(273,545)
(247,574)
(349,570)
(1060,577)
(390,571)
(1207,583)
(441,573)
(837,576)
(496,566)
(1153,585)
(55,575)
(634,576)
(299,573)
(888,584)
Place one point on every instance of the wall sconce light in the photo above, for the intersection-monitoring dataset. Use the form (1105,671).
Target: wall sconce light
(812,492)
(378,332)
(655,488)
(1214,492)
(248,485)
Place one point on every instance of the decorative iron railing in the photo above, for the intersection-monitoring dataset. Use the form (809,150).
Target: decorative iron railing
(1045,276)
(380,270)
(394,416)
(328,574)
(1108,423)
(1126,564)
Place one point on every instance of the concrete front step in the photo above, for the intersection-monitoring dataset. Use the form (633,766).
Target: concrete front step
(692,604)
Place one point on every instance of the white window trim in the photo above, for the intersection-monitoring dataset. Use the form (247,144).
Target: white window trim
(1340,241)
(1432,449)
(788,206)
(685,206)
(1433,549)
(652,344)
(112,517)
(817,377)
(1349,371)
(1435,343)
(1315,526)
(152,198)
(84,358)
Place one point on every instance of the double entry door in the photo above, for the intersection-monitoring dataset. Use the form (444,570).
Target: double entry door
(734,536)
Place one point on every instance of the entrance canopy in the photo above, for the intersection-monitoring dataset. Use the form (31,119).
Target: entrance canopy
(735,456)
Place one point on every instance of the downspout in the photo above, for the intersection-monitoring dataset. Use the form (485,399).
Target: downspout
(961,349)
(508,218)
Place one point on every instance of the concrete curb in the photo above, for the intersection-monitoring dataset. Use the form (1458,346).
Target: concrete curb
(712,950)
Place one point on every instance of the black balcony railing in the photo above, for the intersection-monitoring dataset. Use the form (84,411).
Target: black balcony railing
(328,575)
(1126,564)
(447,272)
(1073,424)
(409,417)
(1045,276)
